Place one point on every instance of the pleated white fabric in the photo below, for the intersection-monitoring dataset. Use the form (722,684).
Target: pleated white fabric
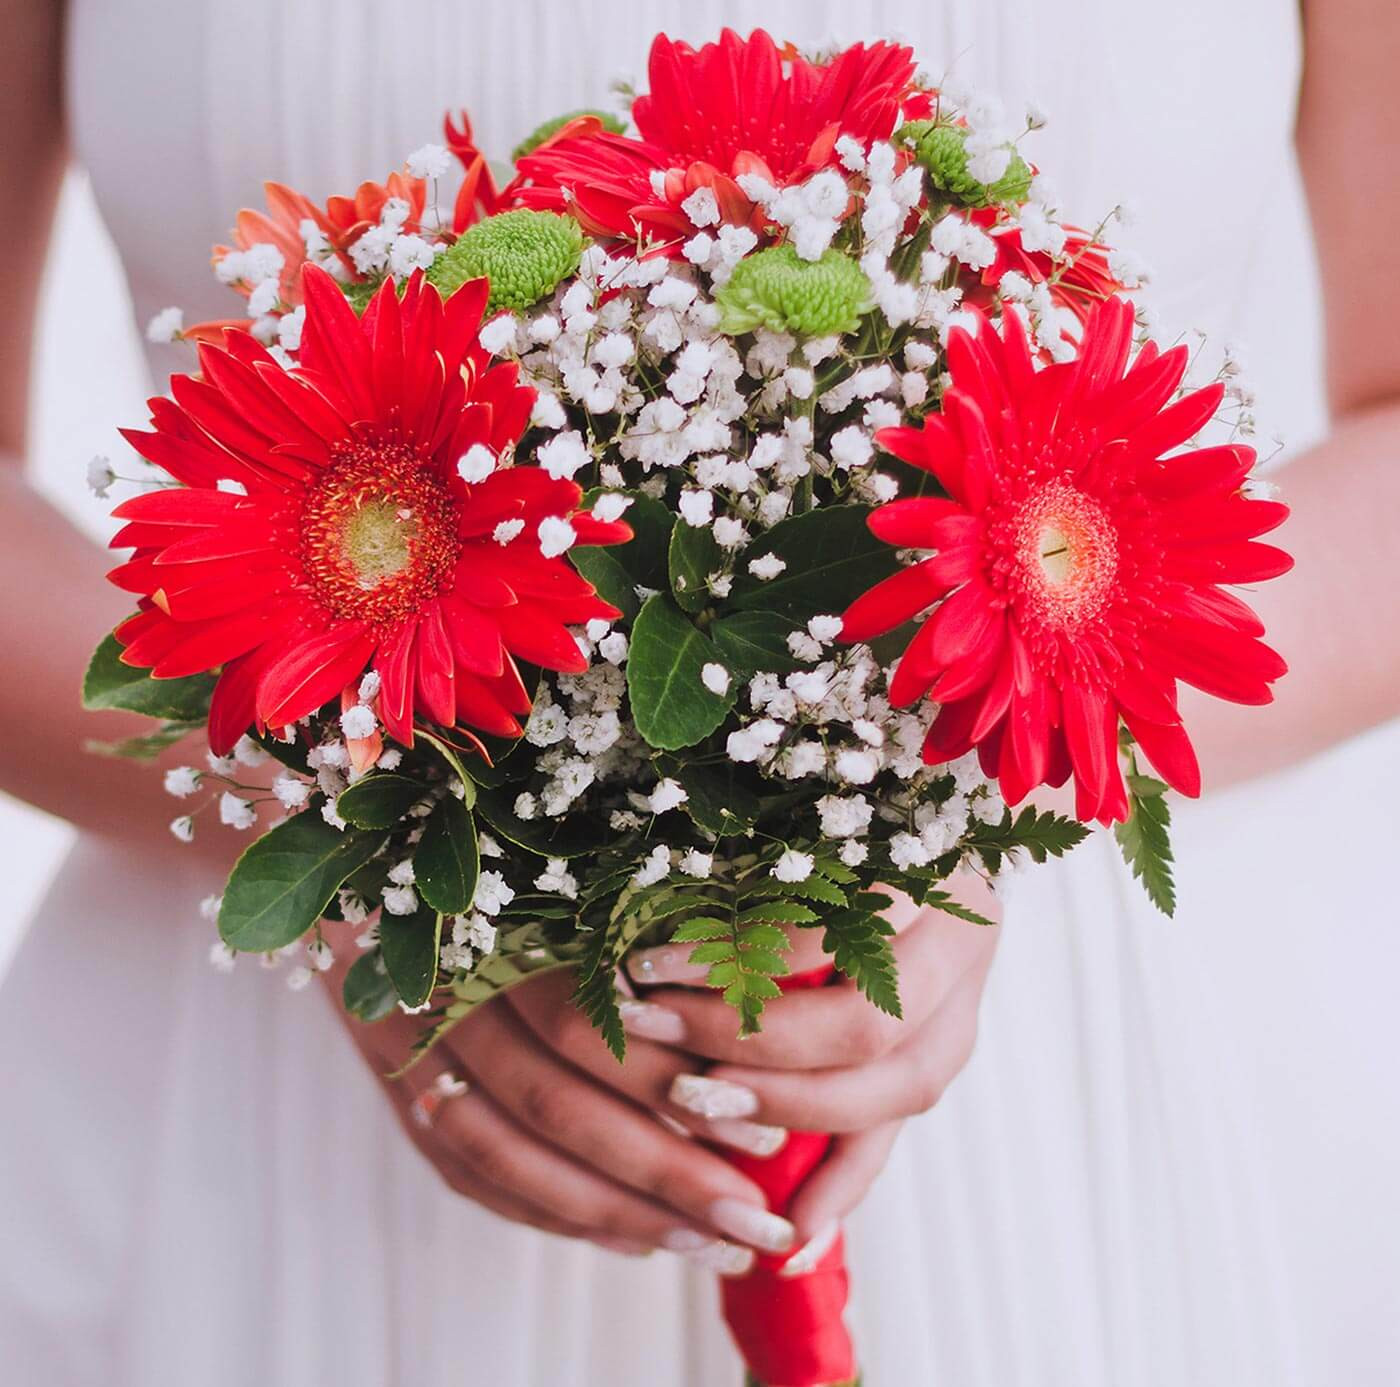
(1171,1162)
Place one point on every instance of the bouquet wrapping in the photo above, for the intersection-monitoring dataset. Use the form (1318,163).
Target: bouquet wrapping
(726,518)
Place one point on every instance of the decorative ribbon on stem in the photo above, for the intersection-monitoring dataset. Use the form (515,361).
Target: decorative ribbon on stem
(789,1329)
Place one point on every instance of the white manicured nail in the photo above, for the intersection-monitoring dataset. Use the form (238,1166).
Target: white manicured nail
(625,1247)
(805,1259)
(721,1257)
(712,1098)
(652,1022)
(754,1137)
(667,964)
(747,1223)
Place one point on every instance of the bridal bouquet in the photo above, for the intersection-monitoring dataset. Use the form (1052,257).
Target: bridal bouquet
(729,517)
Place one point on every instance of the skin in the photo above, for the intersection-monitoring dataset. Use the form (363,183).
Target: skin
(554,1133)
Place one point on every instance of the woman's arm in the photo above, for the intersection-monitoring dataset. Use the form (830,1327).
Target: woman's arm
(56,606)
(1336,617)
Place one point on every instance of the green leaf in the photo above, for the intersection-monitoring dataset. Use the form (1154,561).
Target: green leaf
(705,927)
(815,888)
(694,555)
(110,684)
(596,993)
(456,765)
(145,748)
(716,803)
(281,885)
(572,836)
(1145,840)
(780,913)
(446,861)
(619,569)
(831,559)
(671,705)
(1043,834)
(713,951)
(409,944)
(755,641)
(368,992)
(380,800)
(941,900)
(859,944)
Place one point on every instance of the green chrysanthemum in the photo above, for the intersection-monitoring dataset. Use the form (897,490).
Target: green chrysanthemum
(362,292)
(524,254)
(942,150)
(541,133)
(779,290)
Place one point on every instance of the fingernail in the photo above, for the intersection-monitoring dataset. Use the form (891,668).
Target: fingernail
(749,1224)
(652,1022)
(753,1137)
(666,964)
(805,1259)
(712,1097)
(624,1246)
(722,1257)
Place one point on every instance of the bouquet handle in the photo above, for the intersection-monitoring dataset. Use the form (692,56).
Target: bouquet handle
(790,1330)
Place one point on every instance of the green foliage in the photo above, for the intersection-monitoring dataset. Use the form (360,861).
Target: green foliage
(1145,839)
(596,993)
(282,884)
(670,702)
(717,803)
(380,800)
(145,748)
(368,992)
(859,943)
(694,555)
(941,900)
(446,862)
(831,559)
(568,837)
(1041,833)
(453,757)
(409,944)
(618,570)
(110,684)
(754,641)
(777,289)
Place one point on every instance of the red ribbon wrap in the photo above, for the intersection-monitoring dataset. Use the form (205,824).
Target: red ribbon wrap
(789,1329)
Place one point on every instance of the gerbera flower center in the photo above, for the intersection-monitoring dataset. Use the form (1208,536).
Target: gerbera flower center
(379,533)
(1066,556)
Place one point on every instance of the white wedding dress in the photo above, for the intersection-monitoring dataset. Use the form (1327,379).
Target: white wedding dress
(1171,1163)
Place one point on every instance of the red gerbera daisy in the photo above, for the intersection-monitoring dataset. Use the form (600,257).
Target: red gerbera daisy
(729,108)
(1078,279)
(1078,565)
(357,544)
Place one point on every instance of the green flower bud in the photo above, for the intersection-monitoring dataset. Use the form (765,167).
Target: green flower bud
(779,290)
(524,254)
(942,150)
(361,293)
(541,133)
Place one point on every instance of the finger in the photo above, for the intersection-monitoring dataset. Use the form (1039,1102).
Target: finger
(472,1135)
(910,1079)
(650,1069)
(566,1108)
(840,1182)
(833,1027)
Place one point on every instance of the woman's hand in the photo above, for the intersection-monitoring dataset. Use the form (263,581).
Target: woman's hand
(827,1060)
(548,1132)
